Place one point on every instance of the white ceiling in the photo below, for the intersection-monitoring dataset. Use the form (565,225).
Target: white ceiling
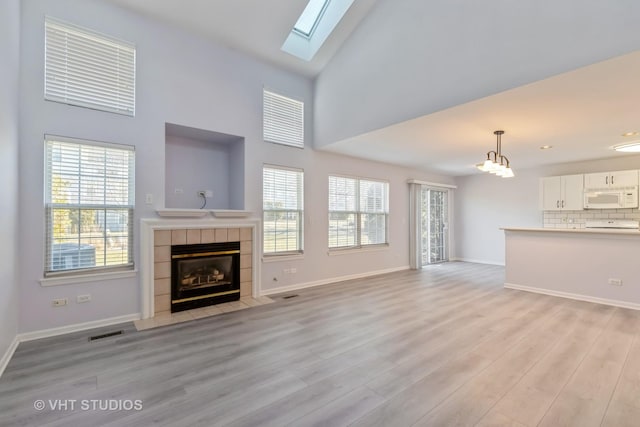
(255,27)
(580,113)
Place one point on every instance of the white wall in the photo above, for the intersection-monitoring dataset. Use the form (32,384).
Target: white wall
(484,203)
(185,80)
(9,75)
(181,79)
(317,263)
(414,57)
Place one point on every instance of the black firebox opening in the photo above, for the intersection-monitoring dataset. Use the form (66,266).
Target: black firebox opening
(204,274)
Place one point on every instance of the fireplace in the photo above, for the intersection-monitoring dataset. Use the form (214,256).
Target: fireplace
(204,274)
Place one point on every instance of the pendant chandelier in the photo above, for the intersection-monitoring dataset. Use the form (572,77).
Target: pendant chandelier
(496,163)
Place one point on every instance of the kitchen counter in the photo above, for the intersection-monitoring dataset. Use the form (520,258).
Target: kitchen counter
(597,265)
(631,231)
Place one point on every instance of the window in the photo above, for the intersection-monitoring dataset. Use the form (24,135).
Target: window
(88,69)
(89,200)
(310,17)
(314,26)
(283,120)
(358,211)
(282,201)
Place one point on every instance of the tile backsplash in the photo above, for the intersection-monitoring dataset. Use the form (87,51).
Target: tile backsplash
(577,219)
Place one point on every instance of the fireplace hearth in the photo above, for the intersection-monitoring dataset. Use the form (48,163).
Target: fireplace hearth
(204,274)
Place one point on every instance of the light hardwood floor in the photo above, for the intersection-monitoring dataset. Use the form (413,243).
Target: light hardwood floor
(444,346)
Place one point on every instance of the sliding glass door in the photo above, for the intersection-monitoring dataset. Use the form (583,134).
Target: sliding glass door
(434,225)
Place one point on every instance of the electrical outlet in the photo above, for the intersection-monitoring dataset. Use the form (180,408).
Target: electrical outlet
(205,193)
(83,298)
(178,191)
(286,271)
(148,199)
(293,270)
(60,302)
(615,282)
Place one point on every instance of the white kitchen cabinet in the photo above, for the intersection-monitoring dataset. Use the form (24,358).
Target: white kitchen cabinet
(627,178)
(562,193)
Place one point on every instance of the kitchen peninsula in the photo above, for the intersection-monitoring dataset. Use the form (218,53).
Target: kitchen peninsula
(597,265)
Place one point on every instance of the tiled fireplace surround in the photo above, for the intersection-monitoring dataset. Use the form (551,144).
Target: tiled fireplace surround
(159,234)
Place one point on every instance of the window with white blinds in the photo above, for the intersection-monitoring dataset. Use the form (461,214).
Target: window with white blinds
(88,69)
(283,119)
(282,209)
(358,212)
(89,201)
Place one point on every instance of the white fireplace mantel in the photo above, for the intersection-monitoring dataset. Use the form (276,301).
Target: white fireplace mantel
(149,225)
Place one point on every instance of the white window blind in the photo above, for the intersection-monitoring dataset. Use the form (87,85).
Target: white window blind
(358,212)
(282,204)
(89,201)
(88,69)
(283,119)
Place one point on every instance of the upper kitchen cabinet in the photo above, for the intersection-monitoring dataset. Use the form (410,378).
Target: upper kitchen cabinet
(611,179)
(562,193)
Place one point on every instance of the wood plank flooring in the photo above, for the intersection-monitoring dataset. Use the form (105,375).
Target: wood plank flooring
(445,346)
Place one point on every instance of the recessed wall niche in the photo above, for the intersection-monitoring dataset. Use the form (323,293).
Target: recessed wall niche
(200,160)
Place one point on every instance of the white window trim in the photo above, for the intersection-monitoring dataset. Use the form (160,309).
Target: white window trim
(306,47)
(351,249)
(61,277)
(343,250)
(281,257)
(278,256)
(316,21)
(293,143)
(115,92)
(87,278)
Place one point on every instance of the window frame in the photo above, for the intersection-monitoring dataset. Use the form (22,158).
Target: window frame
(317,17)
(299,212)
(104,79)
(49,206)
(273,132)
(358,212)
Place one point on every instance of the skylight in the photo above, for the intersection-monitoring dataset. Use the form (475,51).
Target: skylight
(310,17)
(316,23)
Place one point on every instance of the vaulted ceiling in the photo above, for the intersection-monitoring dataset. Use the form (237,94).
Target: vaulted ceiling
(255,27)
(425,84)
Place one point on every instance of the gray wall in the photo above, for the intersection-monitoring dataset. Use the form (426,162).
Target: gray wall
(484,203)
(182,79)
(395,67)
(192,166)
(9,75)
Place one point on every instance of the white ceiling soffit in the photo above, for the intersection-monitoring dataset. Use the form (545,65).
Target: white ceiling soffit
(255,27)
(581,113)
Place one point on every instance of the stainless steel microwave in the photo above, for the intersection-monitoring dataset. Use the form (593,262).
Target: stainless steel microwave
(613,198)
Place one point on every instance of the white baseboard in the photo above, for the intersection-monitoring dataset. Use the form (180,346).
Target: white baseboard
(478,261)
(587,298)
(46,333)
(6,357)
(330,280)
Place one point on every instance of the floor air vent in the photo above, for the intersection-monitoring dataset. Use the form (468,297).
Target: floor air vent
(107,335)
(289,296)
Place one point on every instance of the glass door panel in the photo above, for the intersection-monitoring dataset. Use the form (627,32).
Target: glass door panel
(434,225)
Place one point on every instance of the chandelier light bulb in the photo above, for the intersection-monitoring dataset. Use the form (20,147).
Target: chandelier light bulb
(500,165)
